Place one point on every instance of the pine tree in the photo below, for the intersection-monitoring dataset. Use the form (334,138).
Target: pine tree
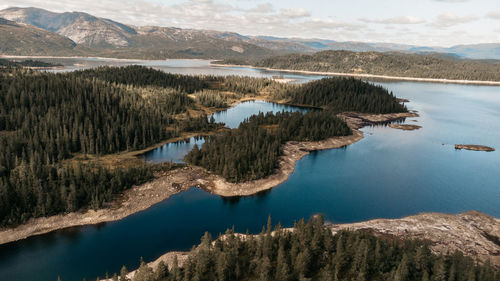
(123,274)
(161,272)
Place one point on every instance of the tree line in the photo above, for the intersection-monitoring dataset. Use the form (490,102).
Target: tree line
(33,190)
(437,66)
(145,76)
(47,118)
(253,149)
(346,94)
(25,63)
(312,252)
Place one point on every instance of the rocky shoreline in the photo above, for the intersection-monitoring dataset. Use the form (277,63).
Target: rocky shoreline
(474,147)
(169,183)
(405,127)
(473,233)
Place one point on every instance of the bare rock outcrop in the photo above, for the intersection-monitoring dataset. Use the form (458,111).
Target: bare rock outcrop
(473,233)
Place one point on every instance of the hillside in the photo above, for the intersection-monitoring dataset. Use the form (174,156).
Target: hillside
(390,64)
(97,36)
(18,39)
(104,37)
(82,28)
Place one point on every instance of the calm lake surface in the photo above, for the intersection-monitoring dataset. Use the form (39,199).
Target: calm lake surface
(232,117)
(388,174)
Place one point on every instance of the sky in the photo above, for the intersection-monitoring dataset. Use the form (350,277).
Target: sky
(419,22)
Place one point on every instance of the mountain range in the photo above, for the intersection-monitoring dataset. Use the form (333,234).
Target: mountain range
(34,31)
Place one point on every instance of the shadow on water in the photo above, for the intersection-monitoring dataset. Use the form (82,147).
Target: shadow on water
(234,200)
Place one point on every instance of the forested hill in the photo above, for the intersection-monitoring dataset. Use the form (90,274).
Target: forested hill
(47,119)
(345,94)
(143,76)
(390,64)
(312,252)
(253,149)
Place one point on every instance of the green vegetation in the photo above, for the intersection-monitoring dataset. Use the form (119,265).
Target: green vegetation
(211,98)
(312,252)
(46,119)
(36,190)
(143,76)
(390,64)
(252,150)
(346,94)
(55,127)
(25,63)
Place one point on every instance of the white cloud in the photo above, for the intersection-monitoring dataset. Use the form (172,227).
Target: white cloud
(449,19)
(295,13)
(315,19)
(397,20)
(262,8)
(452,1)
(494,15)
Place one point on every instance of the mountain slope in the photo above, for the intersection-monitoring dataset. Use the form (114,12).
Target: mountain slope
(18,39)
(105,37)
(82,28)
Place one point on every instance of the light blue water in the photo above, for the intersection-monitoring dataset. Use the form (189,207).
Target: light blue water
(232,117)
(390,174)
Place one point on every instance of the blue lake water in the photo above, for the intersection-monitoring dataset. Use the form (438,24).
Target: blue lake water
(388,174)
(232,117)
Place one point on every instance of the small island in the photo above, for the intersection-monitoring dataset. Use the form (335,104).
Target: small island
(405,127)
(474,147)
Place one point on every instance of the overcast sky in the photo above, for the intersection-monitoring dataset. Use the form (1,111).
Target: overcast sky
(420,22)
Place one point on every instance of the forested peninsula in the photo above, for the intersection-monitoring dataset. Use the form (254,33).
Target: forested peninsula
(390,64)
(252,150)
(69,141)
(312,251)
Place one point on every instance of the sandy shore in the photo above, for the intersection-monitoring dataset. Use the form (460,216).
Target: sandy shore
(172,182)
(362,75)
(473,233)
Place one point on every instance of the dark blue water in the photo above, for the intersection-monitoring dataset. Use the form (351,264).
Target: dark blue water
(174,151)
(232,117)
(390,174)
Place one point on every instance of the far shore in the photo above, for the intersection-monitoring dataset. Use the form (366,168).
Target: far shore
(359,75)
(95,57)
(142,197)
(362,75)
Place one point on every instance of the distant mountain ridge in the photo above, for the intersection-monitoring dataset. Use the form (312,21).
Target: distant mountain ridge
(91,35)
(104,37)
(19,39)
